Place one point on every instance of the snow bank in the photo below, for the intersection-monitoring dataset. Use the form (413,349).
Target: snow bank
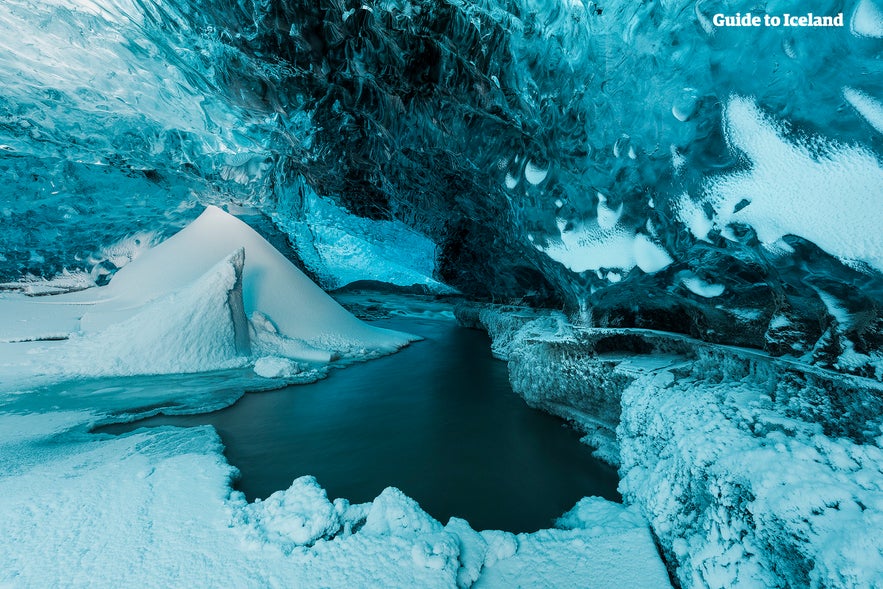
(187,305)
(753,471)
(155,508)
(751,477)
(199,328)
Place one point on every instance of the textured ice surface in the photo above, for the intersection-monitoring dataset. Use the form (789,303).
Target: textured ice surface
(559,152)
(340,248)
(547,152)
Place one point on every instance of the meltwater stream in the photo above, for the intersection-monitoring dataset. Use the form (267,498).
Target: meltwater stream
(438,420)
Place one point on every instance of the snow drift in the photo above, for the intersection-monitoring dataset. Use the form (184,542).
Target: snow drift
(213,296)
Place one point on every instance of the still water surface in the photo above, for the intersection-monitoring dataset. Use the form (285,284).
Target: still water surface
(438,420)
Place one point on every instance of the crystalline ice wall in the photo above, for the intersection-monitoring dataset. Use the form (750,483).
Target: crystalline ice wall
(630,160)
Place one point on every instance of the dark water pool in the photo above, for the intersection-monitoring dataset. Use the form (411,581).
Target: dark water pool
(438,420)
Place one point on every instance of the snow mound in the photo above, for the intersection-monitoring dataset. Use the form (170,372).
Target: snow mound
(201,327)
(297,516)
(188,305)
(271,284)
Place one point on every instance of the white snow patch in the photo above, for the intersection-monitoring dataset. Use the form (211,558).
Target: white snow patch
(835,309)
(192,330)
(870,108)
(607,217)
(591,247)
(535,173)
(792,188)
(867,19)
(701,287)
(649,256)
(276,367)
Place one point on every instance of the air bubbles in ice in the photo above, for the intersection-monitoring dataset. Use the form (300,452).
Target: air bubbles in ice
(867,19)
(534,172)
(867,107)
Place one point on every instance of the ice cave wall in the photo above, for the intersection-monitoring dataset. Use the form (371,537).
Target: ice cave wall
(629,161)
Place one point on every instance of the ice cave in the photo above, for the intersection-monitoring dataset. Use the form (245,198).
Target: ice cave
(441,293)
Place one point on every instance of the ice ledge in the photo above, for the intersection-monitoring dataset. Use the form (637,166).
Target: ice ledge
(752,470)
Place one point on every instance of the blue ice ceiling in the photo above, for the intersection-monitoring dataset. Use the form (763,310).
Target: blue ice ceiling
(628,160)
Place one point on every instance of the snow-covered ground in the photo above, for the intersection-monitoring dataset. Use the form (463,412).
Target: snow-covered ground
(155,509)
(753,471)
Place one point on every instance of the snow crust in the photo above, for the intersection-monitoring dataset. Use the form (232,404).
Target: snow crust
(605,244)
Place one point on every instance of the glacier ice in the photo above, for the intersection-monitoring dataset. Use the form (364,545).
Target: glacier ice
(627,162)
(475,137)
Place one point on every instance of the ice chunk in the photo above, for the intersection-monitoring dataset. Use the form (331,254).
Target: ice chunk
(276,367)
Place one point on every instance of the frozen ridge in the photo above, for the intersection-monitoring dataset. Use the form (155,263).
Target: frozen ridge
(753,471)
(216,295)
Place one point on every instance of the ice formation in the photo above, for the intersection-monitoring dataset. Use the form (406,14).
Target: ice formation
(630,164)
